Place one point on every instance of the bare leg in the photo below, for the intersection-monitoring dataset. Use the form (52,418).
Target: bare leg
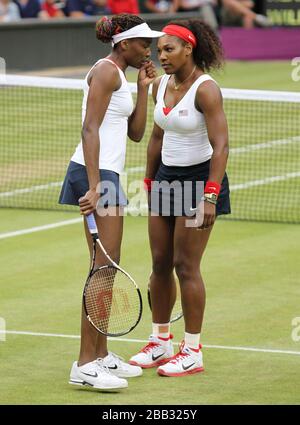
(189,246)
(110,227)
(162,284)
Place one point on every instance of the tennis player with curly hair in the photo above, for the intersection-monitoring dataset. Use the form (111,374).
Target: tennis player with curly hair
(109,116)
(188,145)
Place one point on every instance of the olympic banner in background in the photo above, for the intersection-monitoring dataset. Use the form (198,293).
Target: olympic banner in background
(283,12)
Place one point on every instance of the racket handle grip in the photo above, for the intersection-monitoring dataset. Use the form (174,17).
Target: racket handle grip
(91,222)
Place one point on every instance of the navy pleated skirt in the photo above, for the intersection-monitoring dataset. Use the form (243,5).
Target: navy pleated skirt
(176,190)
(76,185)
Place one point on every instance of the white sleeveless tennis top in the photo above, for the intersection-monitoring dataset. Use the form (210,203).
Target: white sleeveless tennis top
(113,130)
(185,140)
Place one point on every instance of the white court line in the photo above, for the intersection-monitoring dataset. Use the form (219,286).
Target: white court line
(30,189)
(39,228)
(133,170)
(219,347)
(265,145)
(233,188)
(267,180)
(46,186)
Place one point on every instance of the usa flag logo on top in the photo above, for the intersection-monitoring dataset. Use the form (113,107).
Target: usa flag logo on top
(183,113)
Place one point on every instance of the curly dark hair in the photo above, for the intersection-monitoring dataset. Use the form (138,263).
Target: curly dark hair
(208,54)
(106,27)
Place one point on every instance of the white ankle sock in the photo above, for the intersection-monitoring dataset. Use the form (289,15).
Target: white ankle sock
(192,340)
(163,336)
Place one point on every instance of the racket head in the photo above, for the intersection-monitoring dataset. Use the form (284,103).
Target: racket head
(177,312)
(112,301)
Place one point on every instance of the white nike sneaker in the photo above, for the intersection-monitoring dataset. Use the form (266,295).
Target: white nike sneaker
(153,354)
(96,375)
(120,368)
(186,362)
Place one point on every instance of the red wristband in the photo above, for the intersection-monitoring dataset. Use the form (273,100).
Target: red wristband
(148,184)
(212,187)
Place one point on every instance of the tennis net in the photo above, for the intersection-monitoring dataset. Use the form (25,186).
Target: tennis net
(40,126)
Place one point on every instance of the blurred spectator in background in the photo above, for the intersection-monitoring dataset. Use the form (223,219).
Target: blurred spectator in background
(161,6)
(30,9)
(101,7)
(204,9)
(51,9)
(123,6)
(82,8)
(240,13)
(9,11)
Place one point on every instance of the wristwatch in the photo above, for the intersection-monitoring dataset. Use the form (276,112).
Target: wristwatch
(211,197)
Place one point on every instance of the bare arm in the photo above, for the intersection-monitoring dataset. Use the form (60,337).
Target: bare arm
(76,14)
(154,152)
(174,6)
(155,142)
(104,80)
(237,7)
(209,101)
(137,120)
(151,7)
(43,15)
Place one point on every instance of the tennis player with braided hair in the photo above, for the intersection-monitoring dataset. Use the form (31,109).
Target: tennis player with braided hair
(108,117)
(189,144)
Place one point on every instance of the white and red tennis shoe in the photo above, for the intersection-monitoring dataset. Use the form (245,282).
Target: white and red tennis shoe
(186,362)
(157,352)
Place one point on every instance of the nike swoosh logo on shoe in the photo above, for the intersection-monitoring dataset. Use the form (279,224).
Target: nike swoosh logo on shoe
(188,366)
(113,367)
(94,375)
(156,357)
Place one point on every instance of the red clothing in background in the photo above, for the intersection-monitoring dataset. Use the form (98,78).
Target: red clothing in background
(51,9)
(123,6)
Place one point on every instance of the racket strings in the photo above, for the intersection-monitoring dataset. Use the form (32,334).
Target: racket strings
(112,301)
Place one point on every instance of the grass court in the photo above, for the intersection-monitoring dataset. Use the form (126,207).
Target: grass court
(251,271)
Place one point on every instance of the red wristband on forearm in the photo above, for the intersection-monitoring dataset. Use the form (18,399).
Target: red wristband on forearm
(148,184)
(212,187)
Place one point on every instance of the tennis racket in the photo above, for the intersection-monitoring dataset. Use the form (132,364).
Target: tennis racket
(111,298)
(177,309)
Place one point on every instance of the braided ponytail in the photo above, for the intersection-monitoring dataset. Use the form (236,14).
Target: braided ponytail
(106,27)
